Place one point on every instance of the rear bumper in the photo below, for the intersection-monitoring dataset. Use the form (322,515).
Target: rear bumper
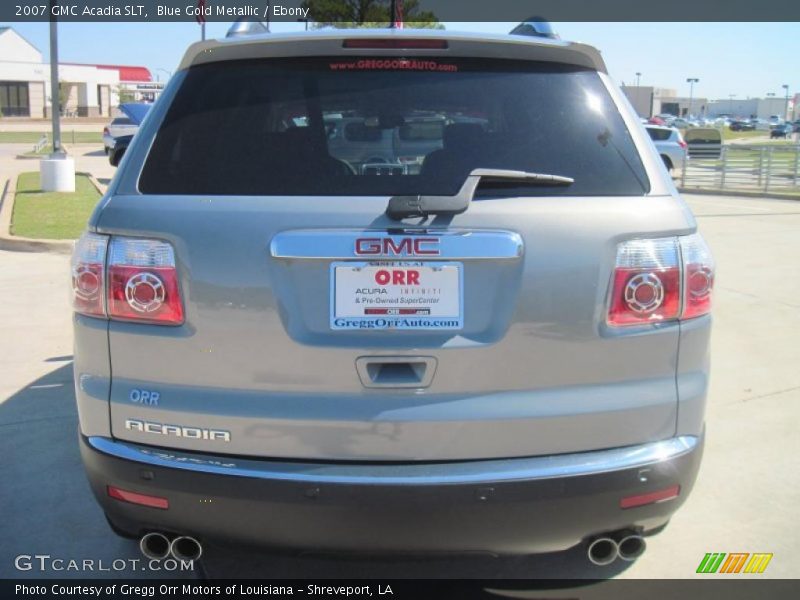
(513,506)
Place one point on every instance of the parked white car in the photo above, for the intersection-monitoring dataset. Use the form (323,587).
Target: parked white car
(118,127)
(670,145)
(125,125)
(775,121)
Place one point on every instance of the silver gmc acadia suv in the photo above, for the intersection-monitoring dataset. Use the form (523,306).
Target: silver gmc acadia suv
(491,336)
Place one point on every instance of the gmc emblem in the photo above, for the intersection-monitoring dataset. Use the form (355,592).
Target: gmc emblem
(407,246)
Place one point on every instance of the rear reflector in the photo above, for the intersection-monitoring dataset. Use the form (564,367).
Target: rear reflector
(380,43)
(134,498)
(650,498)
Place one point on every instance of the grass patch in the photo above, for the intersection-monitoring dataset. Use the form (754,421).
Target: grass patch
(727,134)
(52,215)
(67,137)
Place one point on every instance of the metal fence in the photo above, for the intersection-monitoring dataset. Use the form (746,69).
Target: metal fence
(43,141)
(765,168)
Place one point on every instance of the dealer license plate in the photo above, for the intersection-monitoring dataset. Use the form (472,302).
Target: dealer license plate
(397,295)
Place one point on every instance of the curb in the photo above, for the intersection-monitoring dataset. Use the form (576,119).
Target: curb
(41,156)
(740,193)
(20,244)
(101,189)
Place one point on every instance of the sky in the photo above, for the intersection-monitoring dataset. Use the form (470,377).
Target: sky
(746,59)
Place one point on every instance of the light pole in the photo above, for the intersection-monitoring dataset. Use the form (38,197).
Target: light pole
(169,73)
(691,81)
(56,171)
(785,86)
(55,97)
(638,91)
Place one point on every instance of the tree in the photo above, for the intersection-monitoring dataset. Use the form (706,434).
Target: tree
(366,13)
(124,94)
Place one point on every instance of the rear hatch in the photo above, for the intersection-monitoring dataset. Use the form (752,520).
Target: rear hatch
(704,142)
(317,327)
(135,111)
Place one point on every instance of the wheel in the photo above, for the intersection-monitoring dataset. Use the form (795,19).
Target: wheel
(667,162)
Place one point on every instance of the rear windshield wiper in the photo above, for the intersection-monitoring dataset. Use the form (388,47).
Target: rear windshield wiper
(401,207)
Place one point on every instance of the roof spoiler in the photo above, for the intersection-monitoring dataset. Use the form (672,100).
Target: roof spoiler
(244,26)
(535,27)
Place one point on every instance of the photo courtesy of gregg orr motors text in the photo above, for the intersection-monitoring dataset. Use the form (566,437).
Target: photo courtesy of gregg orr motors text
(150,591)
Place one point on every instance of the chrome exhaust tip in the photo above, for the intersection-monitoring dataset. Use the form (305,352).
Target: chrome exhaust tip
(602,551)
(631,547)
(155,546)
(185,547)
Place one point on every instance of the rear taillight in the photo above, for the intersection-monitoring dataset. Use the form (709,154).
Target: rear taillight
(698,276)
(125,278)
(683,144)
(143,282)
(647,282)
(106,131)
(660,280)
(88,275)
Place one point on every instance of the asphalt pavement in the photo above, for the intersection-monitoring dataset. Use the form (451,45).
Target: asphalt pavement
(745,500)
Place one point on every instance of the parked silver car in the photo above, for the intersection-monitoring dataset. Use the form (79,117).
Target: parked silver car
(506,351)
(670,145)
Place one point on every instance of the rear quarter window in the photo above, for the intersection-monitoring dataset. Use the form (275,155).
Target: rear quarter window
(266,127)
(659,135)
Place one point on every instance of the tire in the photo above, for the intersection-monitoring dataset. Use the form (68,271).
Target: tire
(667,162)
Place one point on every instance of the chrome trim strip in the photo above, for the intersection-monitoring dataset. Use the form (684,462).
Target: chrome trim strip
(339,244)
(516,469)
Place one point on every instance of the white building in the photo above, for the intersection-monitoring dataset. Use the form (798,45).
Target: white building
(649,101)
(86,90)
(761,108)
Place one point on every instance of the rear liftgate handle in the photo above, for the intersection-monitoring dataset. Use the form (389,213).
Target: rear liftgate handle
(396,371)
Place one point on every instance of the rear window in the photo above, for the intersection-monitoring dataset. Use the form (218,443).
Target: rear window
(703,136)
(359,132)
(122,121)
(659,135)
(321,126)
(422,131)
